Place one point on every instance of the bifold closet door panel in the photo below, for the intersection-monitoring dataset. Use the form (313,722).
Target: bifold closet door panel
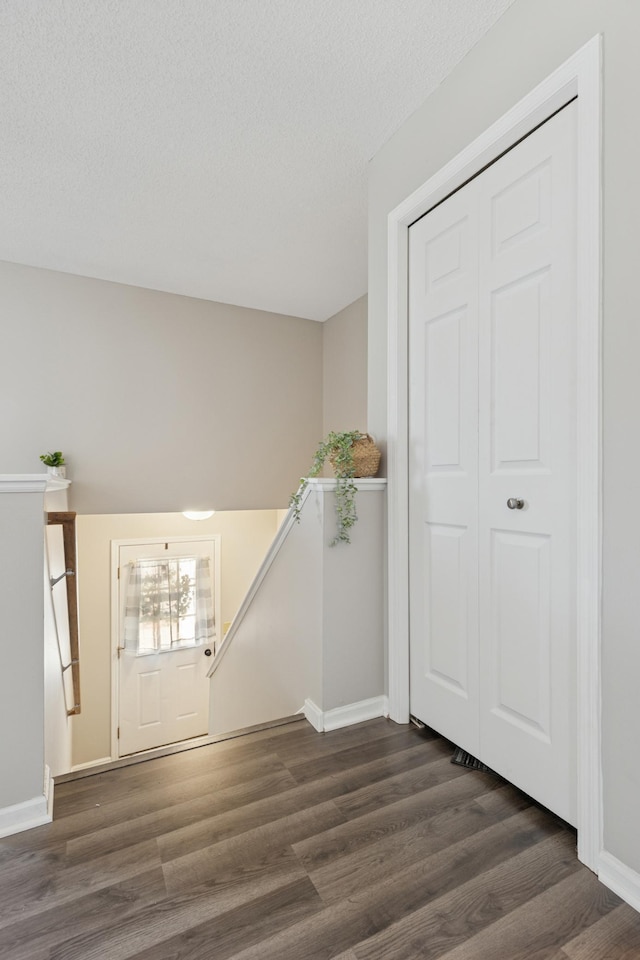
(443,444)
(527,389)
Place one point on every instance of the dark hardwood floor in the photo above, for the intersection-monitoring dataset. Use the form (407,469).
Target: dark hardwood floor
(361,844)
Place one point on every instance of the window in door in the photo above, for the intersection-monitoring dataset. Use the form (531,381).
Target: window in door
(169,604)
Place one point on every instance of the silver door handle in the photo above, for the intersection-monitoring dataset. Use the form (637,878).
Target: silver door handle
(514,504)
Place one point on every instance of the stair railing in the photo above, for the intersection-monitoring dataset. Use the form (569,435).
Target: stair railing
(67,520)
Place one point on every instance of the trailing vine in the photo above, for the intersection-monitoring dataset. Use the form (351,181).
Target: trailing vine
(338,449)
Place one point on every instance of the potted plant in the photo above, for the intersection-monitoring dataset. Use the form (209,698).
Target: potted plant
(351,454)
(55,464)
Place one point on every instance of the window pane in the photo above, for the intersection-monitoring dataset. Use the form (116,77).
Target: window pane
(167,607)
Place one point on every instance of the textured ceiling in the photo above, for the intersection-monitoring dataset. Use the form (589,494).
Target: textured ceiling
(214,148)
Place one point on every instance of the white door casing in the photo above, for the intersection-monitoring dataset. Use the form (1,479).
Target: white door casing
(492,417)
(164,697)
(580,76)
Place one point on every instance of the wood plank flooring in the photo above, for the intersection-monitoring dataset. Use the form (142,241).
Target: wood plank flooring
(361,844)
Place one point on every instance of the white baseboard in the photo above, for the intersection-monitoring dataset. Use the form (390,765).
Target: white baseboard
(313,715)
(356,713)
(620,878)
(345,716)
(28,814)
(48,790)
(90,763)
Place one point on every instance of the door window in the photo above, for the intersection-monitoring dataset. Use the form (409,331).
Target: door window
(169,604)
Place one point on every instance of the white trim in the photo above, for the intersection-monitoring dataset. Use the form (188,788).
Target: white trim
(314,715)
(79,767)
(589,458)
(48,790)
(106,764)
(580,76)
(57,483)
(176,538)
(23,482)
(31,483)
(25,815)
(356,713)
(620,878)
(368,484)
(345,716)
(115,627)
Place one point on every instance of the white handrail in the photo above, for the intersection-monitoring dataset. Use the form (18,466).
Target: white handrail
(263,569)
(279,539)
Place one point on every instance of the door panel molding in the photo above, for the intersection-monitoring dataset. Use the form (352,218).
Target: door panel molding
(579,77)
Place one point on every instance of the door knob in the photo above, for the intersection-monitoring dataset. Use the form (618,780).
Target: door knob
(207,652)
(514,504)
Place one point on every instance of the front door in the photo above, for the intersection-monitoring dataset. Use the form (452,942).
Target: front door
(492,319)
(164,648)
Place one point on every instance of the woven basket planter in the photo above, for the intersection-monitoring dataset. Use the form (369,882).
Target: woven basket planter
(366,457)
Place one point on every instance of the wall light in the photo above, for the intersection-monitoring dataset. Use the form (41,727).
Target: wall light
(198,514)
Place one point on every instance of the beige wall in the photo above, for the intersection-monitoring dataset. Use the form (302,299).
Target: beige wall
(353,605)
(344,369)
(245,538)
(524,47)
(21,647)
(160,402)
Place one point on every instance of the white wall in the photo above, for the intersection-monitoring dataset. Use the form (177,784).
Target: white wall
(159,402)
(245,538)
(524,47)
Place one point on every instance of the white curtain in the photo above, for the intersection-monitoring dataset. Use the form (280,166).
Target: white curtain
(168,604)
(133,592)
(205,625)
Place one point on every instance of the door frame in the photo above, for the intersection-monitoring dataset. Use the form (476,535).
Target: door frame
(115,612)
(581,77)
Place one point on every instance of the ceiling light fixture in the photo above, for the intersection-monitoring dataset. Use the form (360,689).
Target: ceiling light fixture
(198,514)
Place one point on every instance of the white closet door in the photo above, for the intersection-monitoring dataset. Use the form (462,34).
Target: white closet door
(492,419)
(527,315)
(443,444)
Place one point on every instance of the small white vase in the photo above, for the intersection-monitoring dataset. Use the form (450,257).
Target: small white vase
(57,472)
